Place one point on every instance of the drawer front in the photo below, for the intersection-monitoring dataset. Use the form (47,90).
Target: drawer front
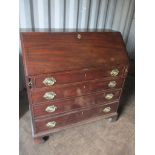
(60,121)
(52,108)
(74,90)
(51,80)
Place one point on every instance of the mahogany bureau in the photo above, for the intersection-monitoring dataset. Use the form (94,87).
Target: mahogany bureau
(72,78)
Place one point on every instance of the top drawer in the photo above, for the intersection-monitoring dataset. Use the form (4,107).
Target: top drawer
(76,76)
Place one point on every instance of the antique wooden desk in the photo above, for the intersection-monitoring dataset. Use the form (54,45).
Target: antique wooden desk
(72,78)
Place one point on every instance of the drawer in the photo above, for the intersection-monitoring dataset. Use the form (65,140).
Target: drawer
(49,80)
(63,120)
(52,108)
(74,90)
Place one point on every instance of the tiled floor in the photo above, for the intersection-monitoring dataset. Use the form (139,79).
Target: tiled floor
(98,138)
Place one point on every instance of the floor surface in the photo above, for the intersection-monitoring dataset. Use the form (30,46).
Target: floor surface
(97,138)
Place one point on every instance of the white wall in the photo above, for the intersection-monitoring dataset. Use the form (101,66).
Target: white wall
(99,14)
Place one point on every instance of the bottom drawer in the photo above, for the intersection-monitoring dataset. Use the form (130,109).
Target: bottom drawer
(63,120)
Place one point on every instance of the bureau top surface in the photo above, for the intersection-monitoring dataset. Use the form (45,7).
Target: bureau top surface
(47,52)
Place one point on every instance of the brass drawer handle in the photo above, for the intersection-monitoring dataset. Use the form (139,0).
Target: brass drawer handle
(51,124)
(112,84)
(49,81)
(79,36)
(107,109)
(109,96)
(51,108)
(114,72)
(49,95)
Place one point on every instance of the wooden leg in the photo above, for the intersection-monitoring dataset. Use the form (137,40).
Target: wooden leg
(113,118)
(40,140)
